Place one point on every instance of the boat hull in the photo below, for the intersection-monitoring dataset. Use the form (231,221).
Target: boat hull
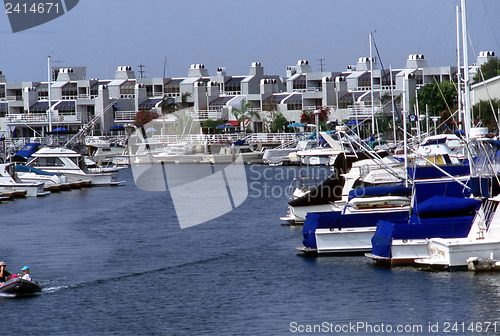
(20,287)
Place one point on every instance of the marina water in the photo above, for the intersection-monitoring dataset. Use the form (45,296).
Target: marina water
(114,261)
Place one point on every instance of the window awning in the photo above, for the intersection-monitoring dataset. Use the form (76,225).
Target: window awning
(221,101)
(66,105)
(150,103)
(41,106)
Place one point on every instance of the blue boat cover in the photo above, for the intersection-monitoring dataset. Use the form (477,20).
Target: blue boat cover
(417,228)
(335,219)
(443,206)
(27,169)
(379,191)
(28,149)
(427,172)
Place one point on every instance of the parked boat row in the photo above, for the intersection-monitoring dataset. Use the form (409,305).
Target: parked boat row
(52,169)
(447,217)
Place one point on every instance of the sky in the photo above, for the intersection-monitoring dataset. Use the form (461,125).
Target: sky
(105,34)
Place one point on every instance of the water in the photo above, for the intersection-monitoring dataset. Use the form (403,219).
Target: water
(114,261)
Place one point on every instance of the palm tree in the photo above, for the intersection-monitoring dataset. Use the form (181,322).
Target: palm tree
(244,113)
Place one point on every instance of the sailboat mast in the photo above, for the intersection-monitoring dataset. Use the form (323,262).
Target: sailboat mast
(459,75)
(49,84)
(466,102)
(371,83)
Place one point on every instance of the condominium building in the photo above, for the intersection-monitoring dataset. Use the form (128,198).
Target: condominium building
(354,93)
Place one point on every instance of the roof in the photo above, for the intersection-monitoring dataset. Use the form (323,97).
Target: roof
(278,98)
(117,82)
(293,98)
(128,83)
(247,79)
(221,101)
(367,96)
(176,81)
(59,84)
(488,81)
(43,87)
(41,106)
(356,74)
(235,80)
(150,103)
(100,83)
(65,105)
(190,80)
(294,77)
(348,97)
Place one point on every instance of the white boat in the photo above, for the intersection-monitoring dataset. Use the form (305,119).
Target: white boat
(228,155)
(72,165)
(52,181)
(181,152)
(9,181)
(483,241)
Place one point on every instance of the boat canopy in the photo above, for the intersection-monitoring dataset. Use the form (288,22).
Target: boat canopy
(379,191)
(27,150)
(417,228)
(444,206)
(28,169)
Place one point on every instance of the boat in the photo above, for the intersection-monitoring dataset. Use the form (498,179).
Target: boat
(53,182)
(482,241)
(72,165)
(228,154)
(401,242)
(282,154)
(10,181)
(19,287)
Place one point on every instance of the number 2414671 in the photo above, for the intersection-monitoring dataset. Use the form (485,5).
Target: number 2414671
(35,8)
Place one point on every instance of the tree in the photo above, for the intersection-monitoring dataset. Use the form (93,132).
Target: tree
(168,105)
(244,113)
(279,123)
(211,125)
(482,112)
(143,117)
(440,97)
(308,117)
(489,70)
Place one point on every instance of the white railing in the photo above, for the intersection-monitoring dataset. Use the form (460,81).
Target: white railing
(202,115)
(37,118)
(230,93)
(254,138)
(362,111)
(125,115)
(271,137)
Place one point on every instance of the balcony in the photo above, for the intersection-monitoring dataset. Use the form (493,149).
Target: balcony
(125,116)
(39,119)
(203,115)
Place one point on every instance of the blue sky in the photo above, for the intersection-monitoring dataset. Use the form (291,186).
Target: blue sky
(104,34)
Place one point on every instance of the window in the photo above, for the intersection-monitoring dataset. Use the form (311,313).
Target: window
(127,88)
(70,90)
(49,162)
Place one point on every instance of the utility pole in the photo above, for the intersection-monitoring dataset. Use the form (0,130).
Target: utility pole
(141,70)
(321,64)
(165,67)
